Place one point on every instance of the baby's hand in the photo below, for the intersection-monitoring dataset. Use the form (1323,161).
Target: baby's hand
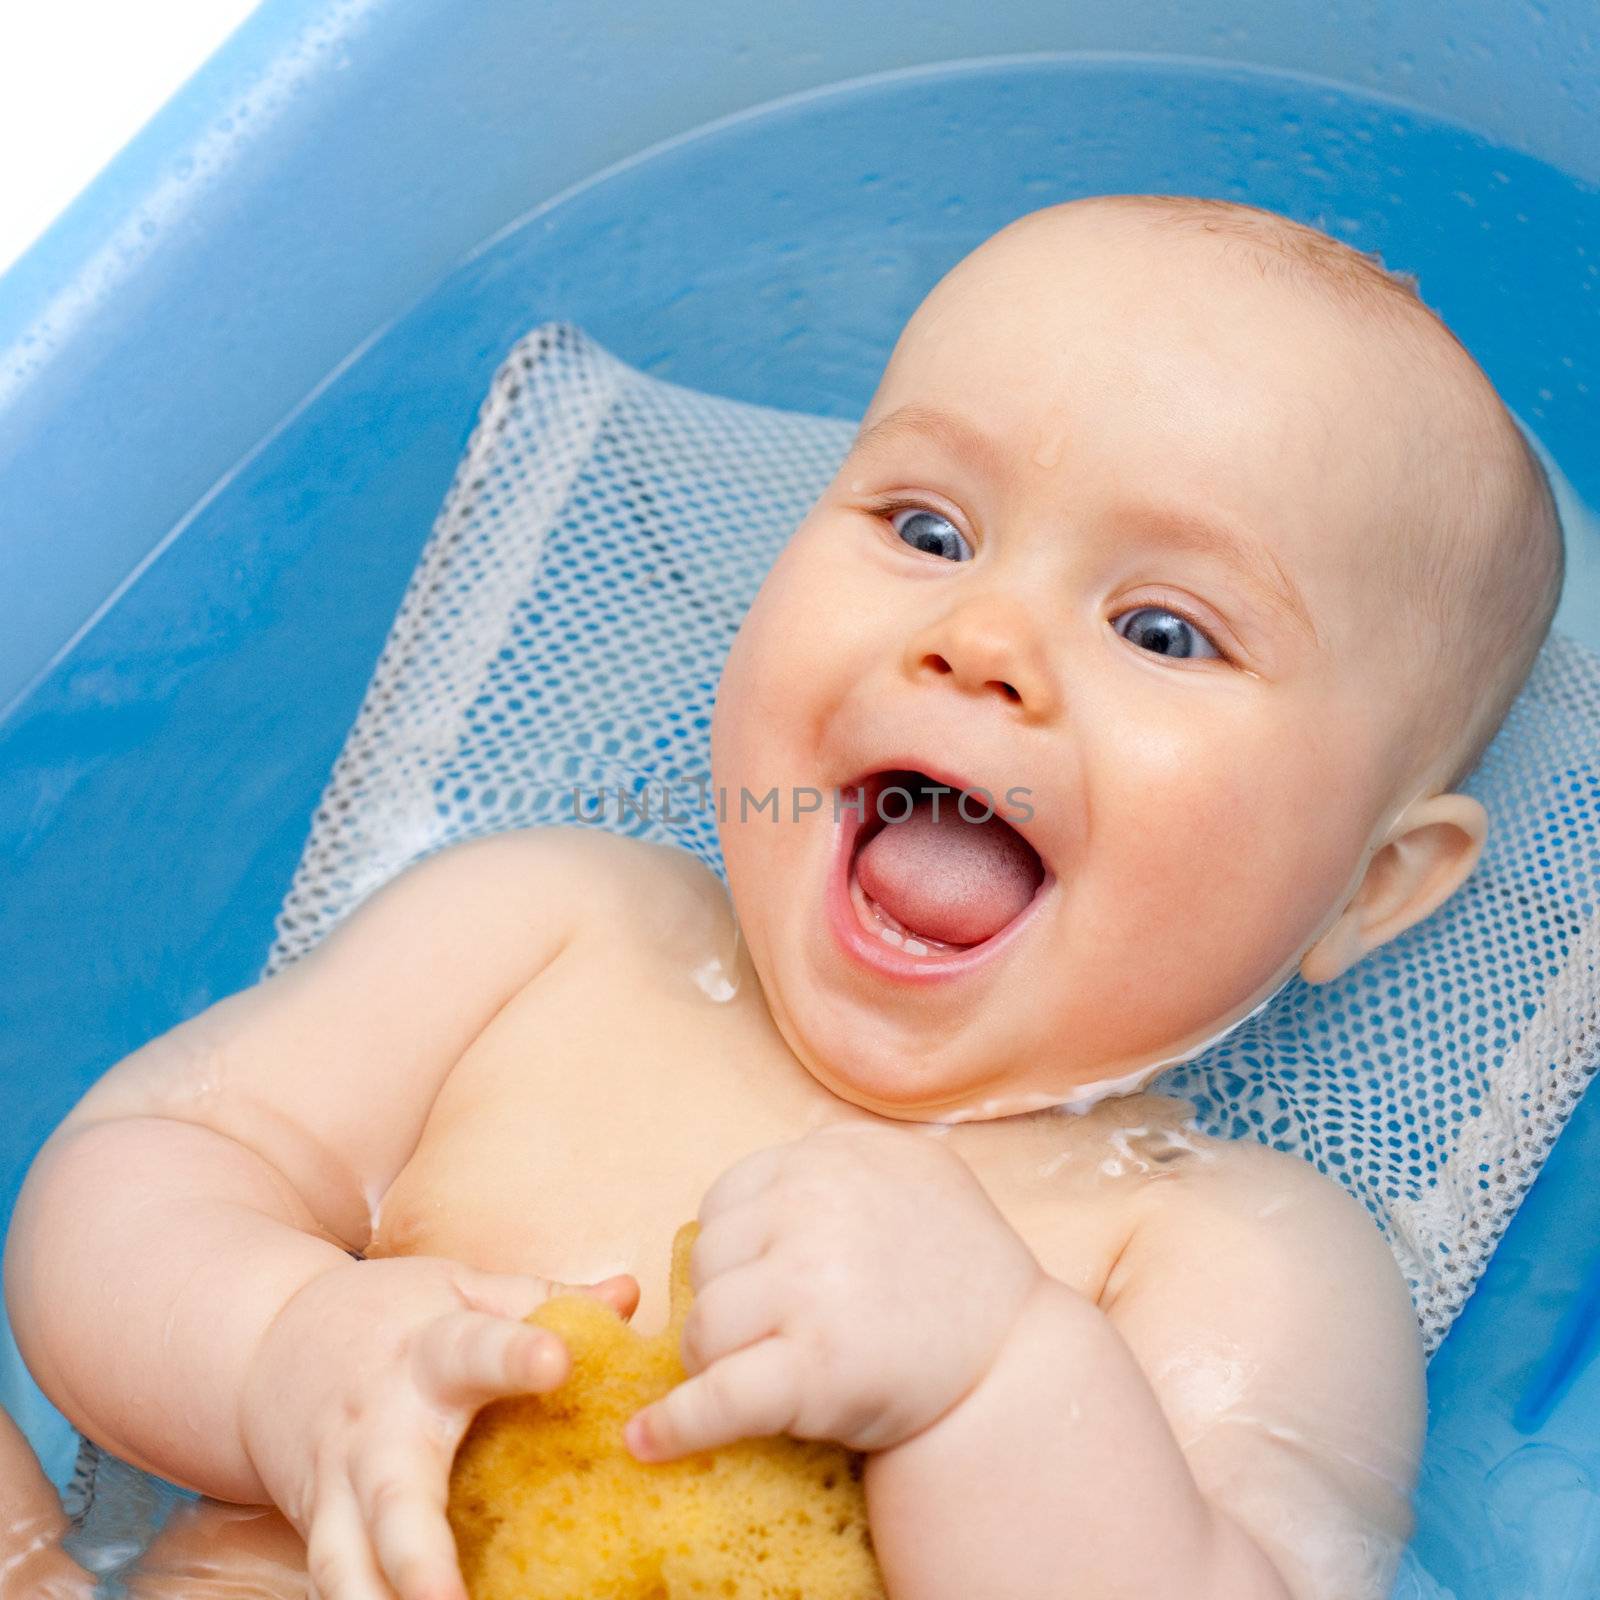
(854,1286)
(359,1394)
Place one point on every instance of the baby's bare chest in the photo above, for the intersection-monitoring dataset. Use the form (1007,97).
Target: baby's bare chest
(587,1121)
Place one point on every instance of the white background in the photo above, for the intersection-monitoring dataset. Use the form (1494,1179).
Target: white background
(78,78)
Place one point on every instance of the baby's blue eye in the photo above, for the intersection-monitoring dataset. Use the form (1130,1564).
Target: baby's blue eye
(1164,632)
(927,530)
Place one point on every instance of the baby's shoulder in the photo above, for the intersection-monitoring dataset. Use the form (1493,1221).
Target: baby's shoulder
(593,863)
(1255,1186)
(1265,1214)
(616,892)
(551,884)
(620,870)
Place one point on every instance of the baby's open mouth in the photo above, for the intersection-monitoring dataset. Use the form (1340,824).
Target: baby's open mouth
(935,870)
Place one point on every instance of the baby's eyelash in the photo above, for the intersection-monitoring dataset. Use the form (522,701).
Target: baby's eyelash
(888,508)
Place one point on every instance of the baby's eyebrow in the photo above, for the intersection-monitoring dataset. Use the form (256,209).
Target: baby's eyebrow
(1180,527)
(943,427)
(1185,529)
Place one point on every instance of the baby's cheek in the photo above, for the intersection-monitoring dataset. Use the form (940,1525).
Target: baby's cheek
(761,696)
(1237,848)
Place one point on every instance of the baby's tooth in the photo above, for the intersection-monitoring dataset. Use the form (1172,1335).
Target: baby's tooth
(889,935)
(915,947)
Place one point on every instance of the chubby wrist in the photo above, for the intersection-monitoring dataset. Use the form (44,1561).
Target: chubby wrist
(1054,1327)
(1051,1333)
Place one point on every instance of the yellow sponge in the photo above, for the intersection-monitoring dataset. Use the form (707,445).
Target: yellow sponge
(547,1504)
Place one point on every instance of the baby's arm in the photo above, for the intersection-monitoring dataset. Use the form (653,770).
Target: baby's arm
(227,1170)
(1240,1419)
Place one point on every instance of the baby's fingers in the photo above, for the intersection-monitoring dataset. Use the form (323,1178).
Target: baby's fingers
(620,1293)
(748,1395)
(732,1311)
(509,1294)
(465,1358)
(339,1558)
(402,1498)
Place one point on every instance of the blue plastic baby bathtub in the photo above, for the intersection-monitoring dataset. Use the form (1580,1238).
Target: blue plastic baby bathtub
(236,376)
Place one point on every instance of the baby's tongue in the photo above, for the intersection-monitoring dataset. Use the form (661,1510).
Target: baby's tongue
(952,880)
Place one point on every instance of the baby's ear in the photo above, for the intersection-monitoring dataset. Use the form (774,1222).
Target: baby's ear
(1429,853)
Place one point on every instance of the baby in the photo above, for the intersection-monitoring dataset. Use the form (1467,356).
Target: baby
(1191,563)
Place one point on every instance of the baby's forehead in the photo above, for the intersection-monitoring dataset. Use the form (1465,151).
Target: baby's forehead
(1085,294)
(1143,233)
(1301,355)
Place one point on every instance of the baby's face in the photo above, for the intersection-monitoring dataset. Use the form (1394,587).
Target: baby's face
(1105,539)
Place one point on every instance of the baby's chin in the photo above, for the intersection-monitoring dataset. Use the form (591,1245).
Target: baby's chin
(965,1079)
(886,1084)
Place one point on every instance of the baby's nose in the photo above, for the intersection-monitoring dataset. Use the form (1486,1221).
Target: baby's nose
(988,644)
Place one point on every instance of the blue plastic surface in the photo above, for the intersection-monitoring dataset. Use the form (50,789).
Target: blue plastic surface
(157,782)
(338,156)
(1567,1359)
